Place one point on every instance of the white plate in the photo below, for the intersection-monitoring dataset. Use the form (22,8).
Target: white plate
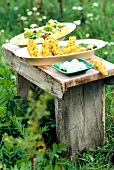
(21,41)
(23,52)
(40,61)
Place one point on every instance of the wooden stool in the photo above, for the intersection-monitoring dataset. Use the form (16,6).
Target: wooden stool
(79,99)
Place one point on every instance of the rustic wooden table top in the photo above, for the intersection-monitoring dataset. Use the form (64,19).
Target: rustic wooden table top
(49,76)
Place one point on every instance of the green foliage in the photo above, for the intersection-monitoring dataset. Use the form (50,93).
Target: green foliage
(22,144)
(11,125)
(52,159)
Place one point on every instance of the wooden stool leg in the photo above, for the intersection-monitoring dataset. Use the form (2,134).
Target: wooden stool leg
(80,116)
(23,86)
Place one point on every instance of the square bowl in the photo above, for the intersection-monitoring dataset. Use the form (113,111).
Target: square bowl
(88,66)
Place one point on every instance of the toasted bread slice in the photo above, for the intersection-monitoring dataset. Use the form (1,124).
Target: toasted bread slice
(32,49)
(99,66)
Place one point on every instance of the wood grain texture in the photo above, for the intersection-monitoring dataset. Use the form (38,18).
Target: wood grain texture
(80,116)
(23,87)
(33,74)
(47,77)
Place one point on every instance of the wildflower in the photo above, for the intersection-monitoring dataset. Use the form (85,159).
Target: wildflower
(105,52)
(111,43)
(74,7)
(16,8)
(33,25)
(78,22)
(87,35)
(25,28)
(29,13)
(23,18)
(89,15)
(2,31)
(40,19)
(34,9)
(19,15)
(37,13)
(44,17)
(79,8)
(7,40)
(95,4)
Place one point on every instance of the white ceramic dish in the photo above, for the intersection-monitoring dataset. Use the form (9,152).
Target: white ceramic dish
(21,41)
(23,52)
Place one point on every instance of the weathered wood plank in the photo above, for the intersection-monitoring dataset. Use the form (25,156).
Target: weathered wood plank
(23,87)
(33,74)
(48,77)
(80,116)
(89,76)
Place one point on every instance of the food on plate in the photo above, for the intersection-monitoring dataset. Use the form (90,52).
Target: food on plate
(46,48)
(99,66)
(19,39)
(32,49)
(55,48)
(52,29)
(71,46)
(72,66)
(52,47)
(89,46)
(71,41)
